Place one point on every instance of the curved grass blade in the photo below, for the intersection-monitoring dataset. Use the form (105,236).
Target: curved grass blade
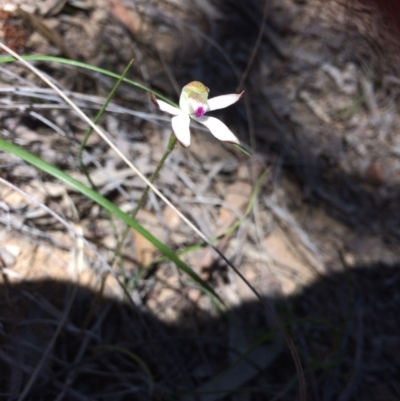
(74,63)
(110,207)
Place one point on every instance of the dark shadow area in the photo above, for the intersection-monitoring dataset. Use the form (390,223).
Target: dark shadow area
(346,328)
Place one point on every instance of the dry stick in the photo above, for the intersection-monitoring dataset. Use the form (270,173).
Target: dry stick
(292,347)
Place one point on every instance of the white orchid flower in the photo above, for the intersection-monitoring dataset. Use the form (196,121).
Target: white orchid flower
(194,103)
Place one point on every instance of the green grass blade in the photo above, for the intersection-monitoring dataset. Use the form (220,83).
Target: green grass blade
(74,63)
(107,205)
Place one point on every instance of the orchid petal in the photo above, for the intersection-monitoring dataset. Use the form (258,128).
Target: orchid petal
(180,125)
(220,102)
(184,103)
(164,106)
(218,129)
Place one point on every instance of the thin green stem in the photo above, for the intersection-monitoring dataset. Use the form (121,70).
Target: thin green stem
(96,120)
(170,147)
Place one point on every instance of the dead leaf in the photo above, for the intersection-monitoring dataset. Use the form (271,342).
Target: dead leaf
(145,251)
(129,18)
(171,218)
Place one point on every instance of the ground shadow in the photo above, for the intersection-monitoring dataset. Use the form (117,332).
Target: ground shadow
(345,325)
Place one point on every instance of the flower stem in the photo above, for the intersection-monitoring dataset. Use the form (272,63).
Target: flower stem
(170,147)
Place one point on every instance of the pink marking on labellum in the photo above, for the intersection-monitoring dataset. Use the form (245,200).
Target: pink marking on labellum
(200,111)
